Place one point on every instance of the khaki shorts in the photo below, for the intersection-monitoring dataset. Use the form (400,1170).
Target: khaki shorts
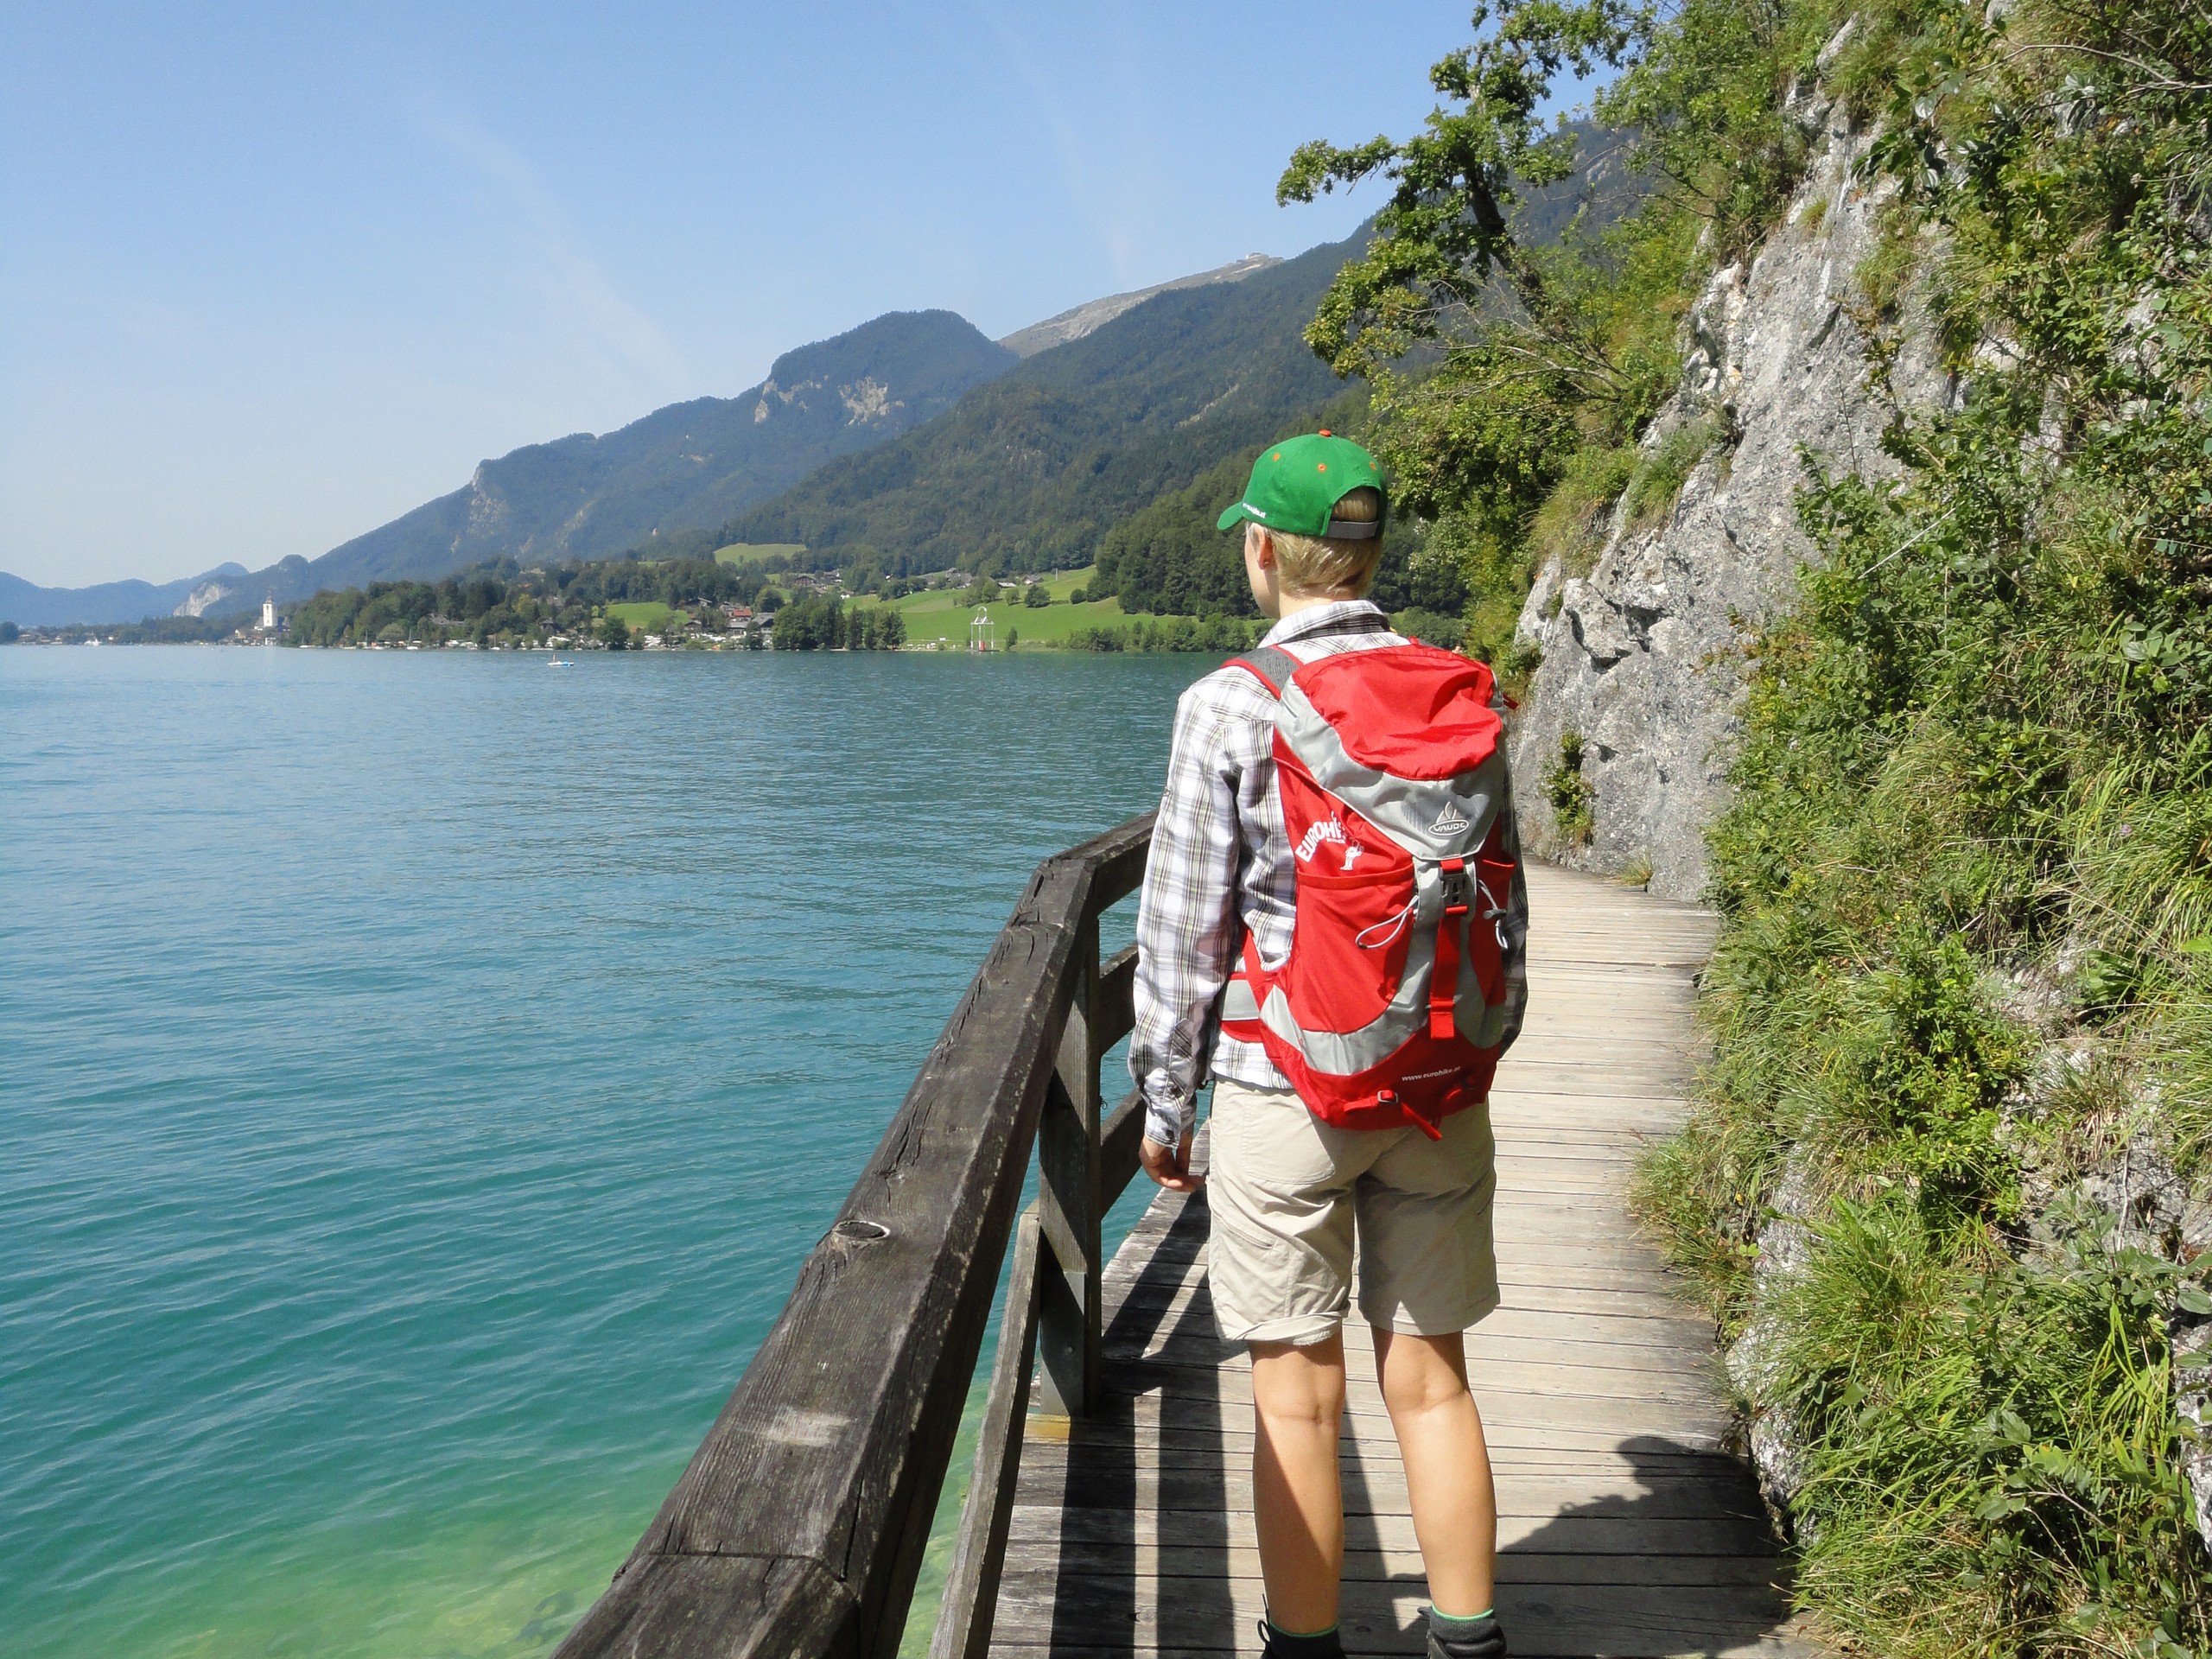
(1285,1188)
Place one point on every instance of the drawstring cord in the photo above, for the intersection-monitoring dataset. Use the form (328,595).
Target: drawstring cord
(1396,924)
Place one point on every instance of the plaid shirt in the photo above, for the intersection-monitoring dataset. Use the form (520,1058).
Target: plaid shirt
(1220,863)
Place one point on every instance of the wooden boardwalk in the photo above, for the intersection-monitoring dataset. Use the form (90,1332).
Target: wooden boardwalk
(1625,1527)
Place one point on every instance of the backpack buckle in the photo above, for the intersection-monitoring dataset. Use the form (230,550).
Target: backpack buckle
(1457,890)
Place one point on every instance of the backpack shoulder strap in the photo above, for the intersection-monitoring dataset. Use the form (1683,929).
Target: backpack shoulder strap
(1271,666)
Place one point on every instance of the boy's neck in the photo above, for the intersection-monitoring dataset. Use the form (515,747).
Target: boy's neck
(1289,604)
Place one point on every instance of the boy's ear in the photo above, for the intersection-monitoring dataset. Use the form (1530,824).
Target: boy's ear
(1260,544)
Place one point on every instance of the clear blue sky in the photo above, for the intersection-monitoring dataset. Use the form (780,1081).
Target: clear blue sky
(271,275)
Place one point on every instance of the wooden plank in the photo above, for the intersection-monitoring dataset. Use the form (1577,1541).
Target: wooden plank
(1550,1379)
(1071,1209)
(967,1613)
(1619,1312)
(1517,1565)
(723,1604)
(1093,1481)
(1510,1433)
(1046,1525)
(1118,1148)
(1117,994)
(1516,1450)
(1388,1617)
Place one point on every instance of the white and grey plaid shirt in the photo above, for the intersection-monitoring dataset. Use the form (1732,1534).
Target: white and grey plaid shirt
(1220,863)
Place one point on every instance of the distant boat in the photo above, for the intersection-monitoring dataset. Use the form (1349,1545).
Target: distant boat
(556,662)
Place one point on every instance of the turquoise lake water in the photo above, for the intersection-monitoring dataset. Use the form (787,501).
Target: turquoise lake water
(422,1075)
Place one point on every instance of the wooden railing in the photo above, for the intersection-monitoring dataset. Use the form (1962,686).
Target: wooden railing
(798,1527)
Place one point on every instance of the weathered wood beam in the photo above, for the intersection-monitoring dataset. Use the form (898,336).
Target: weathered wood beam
(971,1588)
(1117,1146)
(1068,1204)
(1117,997)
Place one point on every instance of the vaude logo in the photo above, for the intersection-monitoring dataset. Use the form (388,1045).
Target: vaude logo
(1450,822)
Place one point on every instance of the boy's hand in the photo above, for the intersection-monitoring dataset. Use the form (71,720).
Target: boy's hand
(1170,1165)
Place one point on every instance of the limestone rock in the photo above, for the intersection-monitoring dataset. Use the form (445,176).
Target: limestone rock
(1645,655)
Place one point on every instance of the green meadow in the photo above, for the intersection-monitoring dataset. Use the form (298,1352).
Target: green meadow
(649,615)
(944,615)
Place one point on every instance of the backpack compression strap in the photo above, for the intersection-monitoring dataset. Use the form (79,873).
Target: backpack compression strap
(1271,666)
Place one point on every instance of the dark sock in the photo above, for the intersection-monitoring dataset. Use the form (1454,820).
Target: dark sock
(1479,1637)
(1311,1644)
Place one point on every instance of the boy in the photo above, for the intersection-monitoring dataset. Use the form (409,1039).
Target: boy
(1287,1186)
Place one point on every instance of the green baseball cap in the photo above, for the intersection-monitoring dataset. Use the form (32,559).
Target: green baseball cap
(1296,484)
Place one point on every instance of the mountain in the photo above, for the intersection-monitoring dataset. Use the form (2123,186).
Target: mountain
(1027,472)
(1147,393)
(31,606)
(1078,321)
(690,466)
(687,465)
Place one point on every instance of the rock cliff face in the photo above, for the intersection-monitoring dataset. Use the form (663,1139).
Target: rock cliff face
(1643,654)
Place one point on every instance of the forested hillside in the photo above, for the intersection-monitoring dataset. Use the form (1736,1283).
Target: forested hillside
(1950,1188)
(687,465)
(1091,451)
(1029,473)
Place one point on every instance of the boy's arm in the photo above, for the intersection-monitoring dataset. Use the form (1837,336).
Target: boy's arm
(1188,929)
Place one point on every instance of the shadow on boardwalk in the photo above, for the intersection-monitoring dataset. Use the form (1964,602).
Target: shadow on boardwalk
(1626,1528)
(1155,1553)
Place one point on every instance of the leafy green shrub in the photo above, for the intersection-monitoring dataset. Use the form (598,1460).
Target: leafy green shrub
(1573,798)
(1216,634)
(1449,631)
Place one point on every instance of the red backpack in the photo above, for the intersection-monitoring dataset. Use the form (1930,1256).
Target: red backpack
(1406,978)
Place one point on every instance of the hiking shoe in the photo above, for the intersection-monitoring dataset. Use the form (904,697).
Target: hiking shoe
(1281,1644)
(1470,1638)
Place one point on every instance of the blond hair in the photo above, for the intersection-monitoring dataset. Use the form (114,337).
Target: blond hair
(1315,564)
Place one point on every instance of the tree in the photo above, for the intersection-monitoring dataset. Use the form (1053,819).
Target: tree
(1446,237)
(10,633)
(613,632)
(1034,597)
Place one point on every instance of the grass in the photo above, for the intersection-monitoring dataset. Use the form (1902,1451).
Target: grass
(1570,527)
(648,615)
(943,614)
(1962,1060)
(740,552)
(1657,483)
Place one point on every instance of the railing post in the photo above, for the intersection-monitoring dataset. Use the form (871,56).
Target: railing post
(1069,1326)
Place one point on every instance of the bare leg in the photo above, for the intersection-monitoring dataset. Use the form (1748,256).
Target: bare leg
(1299,1399)
(1447,1466)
